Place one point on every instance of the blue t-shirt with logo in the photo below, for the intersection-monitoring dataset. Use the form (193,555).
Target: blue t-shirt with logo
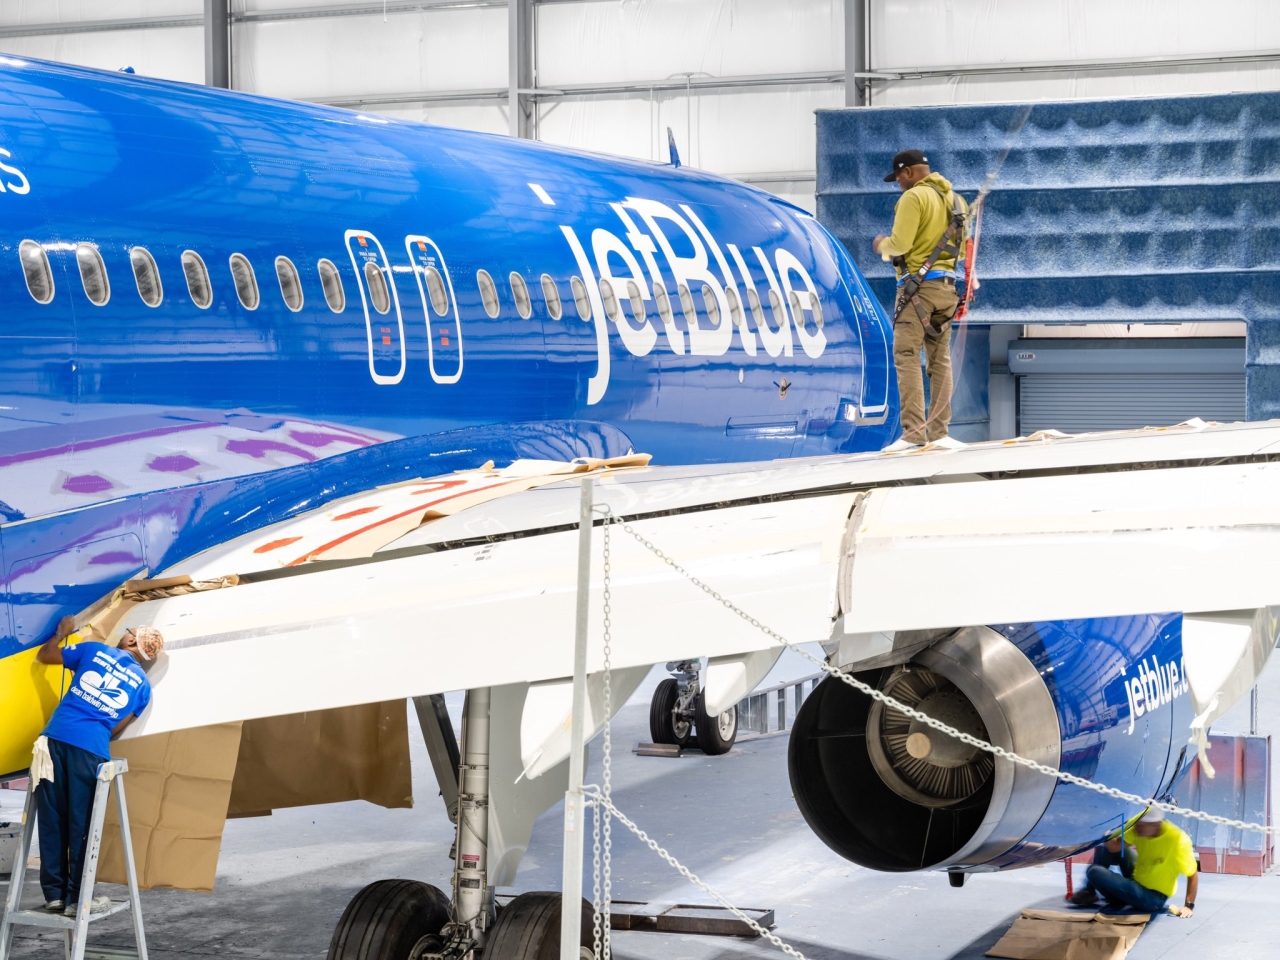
(108,686)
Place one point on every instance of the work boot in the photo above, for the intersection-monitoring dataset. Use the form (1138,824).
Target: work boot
(55,906)
(1084,897)
(902,443)
(96,905)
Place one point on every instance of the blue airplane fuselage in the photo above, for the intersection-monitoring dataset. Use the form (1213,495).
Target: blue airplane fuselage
(220,311)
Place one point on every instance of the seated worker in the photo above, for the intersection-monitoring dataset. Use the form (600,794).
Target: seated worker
(108,690)
(1160,854)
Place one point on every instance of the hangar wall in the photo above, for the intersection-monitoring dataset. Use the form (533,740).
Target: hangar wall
(737,80)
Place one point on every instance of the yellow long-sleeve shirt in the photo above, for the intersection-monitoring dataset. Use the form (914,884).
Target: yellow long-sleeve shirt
(920,219)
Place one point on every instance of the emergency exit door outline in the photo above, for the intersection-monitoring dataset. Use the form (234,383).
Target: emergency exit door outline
(423,253)
(364,247)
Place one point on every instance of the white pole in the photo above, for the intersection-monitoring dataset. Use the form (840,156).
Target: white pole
(574,810)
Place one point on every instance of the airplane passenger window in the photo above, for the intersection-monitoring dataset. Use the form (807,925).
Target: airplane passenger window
(796,310)
(520,292)
(664,303)
(197,275)
(610,299)
(246,282)
(580,297)
(35,267)
(435,289)
(686,303)
(147,276)
(377,284)
(735,306)
(817,309)
(331,281)
(551,293)
(488,292)
(637,301)
(775,304)
(93,274)
(712,305)
(757,312)
(290,284)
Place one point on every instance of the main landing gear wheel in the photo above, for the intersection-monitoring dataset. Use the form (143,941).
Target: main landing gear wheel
(386,919)
(663,725)
(716,734)
(528,928)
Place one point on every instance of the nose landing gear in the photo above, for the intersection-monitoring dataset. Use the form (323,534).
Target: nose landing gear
(677,713)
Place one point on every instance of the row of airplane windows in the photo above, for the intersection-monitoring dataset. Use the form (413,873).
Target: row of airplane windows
(146,276)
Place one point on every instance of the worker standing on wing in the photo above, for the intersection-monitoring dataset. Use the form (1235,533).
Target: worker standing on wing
(1161,854)
(928,235)
(108,690)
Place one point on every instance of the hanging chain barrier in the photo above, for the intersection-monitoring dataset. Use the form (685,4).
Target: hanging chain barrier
(888,701)
(601,800)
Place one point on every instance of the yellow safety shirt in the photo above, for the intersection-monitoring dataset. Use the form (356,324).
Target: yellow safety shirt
(920,219)
(1162,859)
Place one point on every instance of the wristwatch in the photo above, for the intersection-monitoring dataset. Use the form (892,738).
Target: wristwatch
(1189,906)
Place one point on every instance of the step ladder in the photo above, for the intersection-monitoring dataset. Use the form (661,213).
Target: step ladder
(75,931)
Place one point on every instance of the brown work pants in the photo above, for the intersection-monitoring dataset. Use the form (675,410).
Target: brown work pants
(939,301)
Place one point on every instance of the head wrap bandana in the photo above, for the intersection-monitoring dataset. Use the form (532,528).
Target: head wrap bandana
(150,642)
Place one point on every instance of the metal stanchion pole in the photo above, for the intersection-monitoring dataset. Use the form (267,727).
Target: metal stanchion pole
(574,809)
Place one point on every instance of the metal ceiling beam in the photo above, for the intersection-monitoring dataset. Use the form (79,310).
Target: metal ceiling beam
(567,92)
(521,109)
(393,99)
(368,8)
(217,44)
(101,26)
(856,40)
(1068,66)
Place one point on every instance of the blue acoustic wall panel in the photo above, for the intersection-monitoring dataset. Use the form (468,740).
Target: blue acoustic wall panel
(1145,210)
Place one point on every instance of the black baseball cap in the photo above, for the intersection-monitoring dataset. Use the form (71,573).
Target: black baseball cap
(903,159)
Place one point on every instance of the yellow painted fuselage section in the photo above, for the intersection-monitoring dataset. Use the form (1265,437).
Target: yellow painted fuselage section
(29,693)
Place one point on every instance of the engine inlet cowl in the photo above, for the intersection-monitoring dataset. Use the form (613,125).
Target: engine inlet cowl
(889,792)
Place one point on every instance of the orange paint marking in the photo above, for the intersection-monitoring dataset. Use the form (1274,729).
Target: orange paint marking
(276,544)
(435,486)
(353,513)
(420,508)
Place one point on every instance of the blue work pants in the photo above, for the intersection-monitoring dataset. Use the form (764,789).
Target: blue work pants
(1121,891)
(65,810)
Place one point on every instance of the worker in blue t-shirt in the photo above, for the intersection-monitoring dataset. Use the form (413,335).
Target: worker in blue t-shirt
(109,689)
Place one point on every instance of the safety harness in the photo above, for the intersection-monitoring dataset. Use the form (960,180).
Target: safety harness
(951,241)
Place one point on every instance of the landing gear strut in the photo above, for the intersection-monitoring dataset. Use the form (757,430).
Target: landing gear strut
(410,920)
(677,713)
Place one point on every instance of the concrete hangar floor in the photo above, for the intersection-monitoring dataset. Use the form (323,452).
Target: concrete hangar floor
(284,880)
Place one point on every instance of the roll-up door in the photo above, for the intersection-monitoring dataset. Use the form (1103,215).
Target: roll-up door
(1084,385)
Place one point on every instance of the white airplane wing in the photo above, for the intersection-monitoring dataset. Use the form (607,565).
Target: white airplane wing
(1186,519)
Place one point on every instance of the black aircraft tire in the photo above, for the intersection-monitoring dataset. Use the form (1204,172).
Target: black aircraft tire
(716,735)
(386,919)
(662,727)
(529,929)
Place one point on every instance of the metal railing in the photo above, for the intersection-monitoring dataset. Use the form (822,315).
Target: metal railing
(773,710)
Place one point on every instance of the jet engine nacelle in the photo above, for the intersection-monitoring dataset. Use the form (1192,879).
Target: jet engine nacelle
(891,793)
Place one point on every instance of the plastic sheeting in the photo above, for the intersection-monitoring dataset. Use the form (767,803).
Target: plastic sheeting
(1106,211)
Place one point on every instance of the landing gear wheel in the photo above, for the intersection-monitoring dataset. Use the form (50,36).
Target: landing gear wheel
(663,726)
(716,735)
(386,919)
(529,929)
